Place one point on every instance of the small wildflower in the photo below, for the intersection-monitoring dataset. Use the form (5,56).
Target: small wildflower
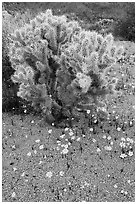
(129,181)
(41,147)
(130,153)
(65,145)
(126,192)
(61,173)
(29,154)
(71,133)
(23,174)
(49,174)
(123,156)
(115,186)
(58,148)
(108,148)
(104,136)
(122,144)
(88,111)
(50,131)
(130,140)
(59,142)
(93,140)
(122,191)
(73,137)
(118,129)
(109,137)
(95,121)
(111,143)
(91,129)
(66,129)
(37,141)
(62,136)
(64,151)
(14,168)
(35,151)
(130,123)
(13,195)
(98,150)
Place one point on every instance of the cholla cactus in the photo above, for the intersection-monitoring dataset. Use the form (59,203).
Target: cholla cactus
(91,55)
(57,63)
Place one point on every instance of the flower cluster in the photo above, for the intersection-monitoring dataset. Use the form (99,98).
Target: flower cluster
(59,64)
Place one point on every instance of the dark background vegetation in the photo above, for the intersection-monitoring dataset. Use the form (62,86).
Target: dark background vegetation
(119,19)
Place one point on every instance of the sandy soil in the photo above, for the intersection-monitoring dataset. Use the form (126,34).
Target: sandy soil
(42,163)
